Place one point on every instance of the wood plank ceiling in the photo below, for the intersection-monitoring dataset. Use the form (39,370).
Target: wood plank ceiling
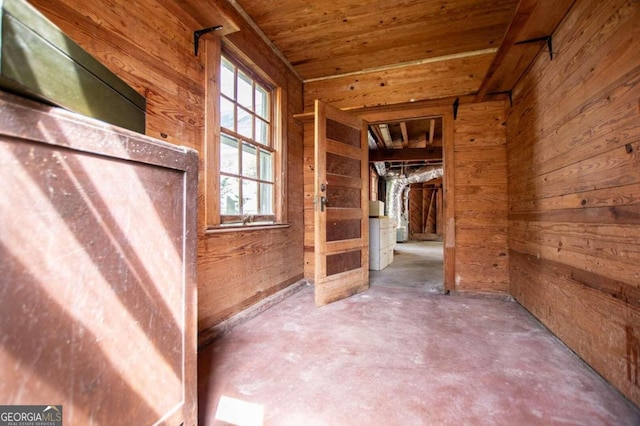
(330,38)
(361,53)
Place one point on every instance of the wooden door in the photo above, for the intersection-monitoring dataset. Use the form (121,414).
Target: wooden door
(98,251)
(341,194)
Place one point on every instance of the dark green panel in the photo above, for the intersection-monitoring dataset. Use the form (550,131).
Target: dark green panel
(37,60)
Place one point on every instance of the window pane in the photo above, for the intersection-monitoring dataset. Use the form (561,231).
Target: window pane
(245,123)
(249,197)
(229,162)
(227,79)
(249,161)
(227,114)
(266,166)
(266,198)
(262,132)
(262,102)
(245,90)
(229,195)
(246,168)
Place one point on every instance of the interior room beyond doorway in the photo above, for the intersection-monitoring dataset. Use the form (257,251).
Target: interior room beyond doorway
(417,265)
(407,170)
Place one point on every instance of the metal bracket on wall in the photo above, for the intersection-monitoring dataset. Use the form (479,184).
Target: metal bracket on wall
(539,39)
(456,104)
(200,33)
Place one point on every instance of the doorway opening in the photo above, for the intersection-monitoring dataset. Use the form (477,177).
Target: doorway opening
(406,183)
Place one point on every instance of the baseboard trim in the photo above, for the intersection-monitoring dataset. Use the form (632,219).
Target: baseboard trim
(206,337)
(482,295)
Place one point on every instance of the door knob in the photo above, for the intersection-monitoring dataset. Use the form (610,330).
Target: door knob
(324,202)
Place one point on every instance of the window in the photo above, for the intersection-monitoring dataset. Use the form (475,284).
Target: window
(247,154)
(245,148)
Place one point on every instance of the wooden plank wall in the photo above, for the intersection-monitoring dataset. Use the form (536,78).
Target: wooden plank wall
(150,48)
(308,207)
(149,44)
(239,269)
(574,185)
(481,201)
(415,209)
(425,211)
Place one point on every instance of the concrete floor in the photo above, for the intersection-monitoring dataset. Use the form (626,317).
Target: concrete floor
(401,354)
(417,264)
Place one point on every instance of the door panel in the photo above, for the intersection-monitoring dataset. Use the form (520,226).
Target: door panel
(97,269)
(341,194)
(343,229)
(342,165)
(342,262)
(344,197)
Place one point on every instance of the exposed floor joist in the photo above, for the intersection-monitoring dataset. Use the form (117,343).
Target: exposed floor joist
(407,154)
(432,129)
(405,134)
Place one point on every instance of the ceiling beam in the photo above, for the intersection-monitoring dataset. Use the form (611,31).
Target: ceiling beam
(405,134)
(377,136)
(386,135)
(533,18)
(381,113)
(432,130)
(406,154)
